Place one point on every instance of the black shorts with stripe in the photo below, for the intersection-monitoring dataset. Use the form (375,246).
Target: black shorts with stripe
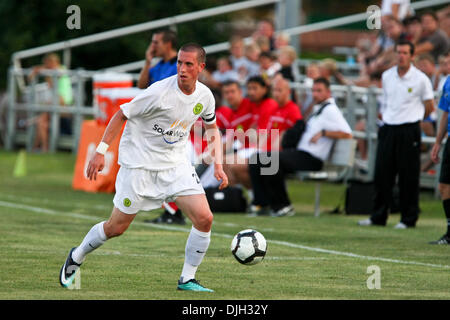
(445,166)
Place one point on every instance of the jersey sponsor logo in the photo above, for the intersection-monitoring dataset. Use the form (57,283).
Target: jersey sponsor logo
(409,90)
(198,108)
(171,135)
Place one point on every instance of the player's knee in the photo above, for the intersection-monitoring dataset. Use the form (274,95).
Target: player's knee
(115,230)
(204,222)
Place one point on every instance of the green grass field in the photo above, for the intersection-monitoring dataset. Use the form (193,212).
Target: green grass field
(41,218)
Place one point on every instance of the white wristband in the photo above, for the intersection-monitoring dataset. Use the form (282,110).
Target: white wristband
(102,148)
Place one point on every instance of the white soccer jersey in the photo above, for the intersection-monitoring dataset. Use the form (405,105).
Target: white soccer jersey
(159,122)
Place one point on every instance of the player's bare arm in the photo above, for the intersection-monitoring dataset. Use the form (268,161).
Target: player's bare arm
(97,162)
(442,132)
(215,145)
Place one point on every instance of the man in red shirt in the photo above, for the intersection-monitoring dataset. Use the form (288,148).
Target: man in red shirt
(266,115)
(285,116)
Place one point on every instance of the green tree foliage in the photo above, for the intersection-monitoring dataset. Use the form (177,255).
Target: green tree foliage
(31,23)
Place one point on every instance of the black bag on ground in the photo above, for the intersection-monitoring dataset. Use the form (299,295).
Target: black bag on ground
(230,199)
(359,198)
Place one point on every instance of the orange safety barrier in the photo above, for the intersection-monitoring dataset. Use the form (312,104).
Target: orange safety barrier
(91,135)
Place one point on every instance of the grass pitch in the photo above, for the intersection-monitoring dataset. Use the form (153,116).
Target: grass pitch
(41,218)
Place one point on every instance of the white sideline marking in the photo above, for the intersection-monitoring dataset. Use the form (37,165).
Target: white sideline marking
(223,235)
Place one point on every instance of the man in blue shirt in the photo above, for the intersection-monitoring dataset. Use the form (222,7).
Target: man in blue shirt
(163,45)
(444,178)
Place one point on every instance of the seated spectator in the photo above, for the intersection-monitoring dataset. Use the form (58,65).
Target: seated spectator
(425,63)
(433,40)
(444,19)
(306,99)
(444,70)
(266,28)
(238,59)
(269,66)
(413,29)
(252,52)
(263,43)
(387,58)
(223,73)
(286,57)
(282,39)
(325,125)
(51,61)
(328,70)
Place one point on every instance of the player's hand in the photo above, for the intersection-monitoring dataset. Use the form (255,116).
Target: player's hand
(435,152)
(220,175)
(150,53)
(96,164)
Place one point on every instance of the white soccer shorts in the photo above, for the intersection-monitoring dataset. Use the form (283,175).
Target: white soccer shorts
(141,189)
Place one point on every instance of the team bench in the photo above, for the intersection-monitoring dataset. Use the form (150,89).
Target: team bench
(340,160)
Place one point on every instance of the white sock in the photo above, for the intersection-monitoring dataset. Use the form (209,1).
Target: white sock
(196,246)
(93,239)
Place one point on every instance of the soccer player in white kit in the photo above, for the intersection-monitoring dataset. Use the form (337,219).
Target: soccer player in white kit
(154,167)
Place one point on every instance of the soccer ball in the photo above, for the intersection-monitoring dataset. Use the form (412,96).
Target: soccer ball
(249,247)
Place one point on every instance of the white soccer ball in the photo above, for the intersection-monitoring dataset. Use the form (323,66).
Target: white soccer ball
(249,247)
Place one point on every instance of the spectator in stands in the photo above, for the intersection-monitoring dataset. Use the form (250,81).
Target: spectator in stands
(252,53)
(425,63)
(286,57)
(51,61)
(238,59)
(413,29)
(268,65)
(329,70)
(326,124)
(164,46)
(399,9)
(433,40)
(306,100)
(444,19)
(386,59)
(444,70)
(223,73)
(266,28)
(263,44)
(282,39)
(408,99)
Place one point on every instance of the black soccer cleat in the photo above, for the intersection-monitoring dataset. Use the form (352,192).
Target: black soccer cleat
(445,239)
(68,270)
(169,218)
